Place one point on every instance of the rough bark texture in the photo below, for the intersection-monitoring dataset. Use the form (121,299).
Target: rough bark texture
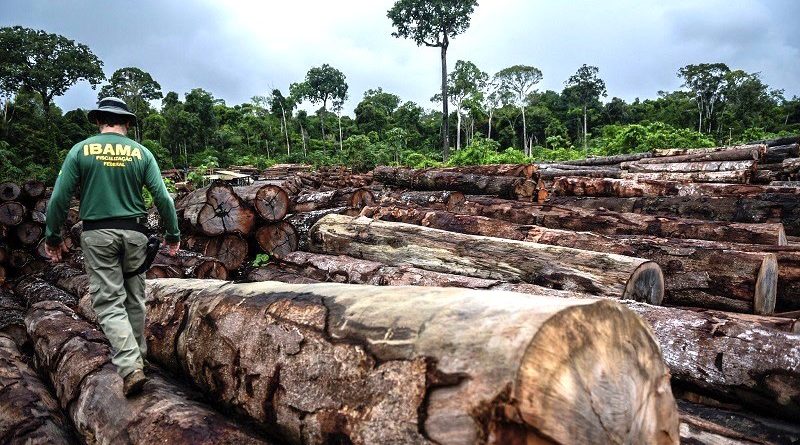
(310,202)
(29,414)
(714,426)
(737,363)
(356,364)
(76,358)
(616,223)
(270,202)
(734,177)
(696,273)
(594,273)
(628,188)
(302,223)
(277,239)
(434,179)
(609,160)
(527,171)
(216,210)
(555,173)
(187,264)
(738,153)
(689,167)
(445,198)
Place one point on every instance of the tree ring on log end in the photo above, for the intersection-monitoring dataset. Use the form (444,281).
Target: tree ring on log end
(766,286)
(594,374)
(271,203)
(646,284)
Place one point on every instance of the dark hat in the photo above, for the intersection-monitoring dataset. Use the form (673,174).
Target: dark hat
(113,105)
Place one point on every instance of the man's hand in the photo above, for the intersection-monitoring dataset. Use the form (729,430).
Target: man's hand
(55,252)
(172,248)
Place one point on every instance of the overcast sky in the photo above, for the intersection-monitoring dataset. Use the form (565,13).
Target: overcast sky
(238,49)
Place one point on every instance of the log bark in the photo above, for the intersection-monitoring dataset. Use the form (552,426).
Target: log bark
(229,249)
(216,210)
(9,191)
(616,223)
(727,360)
(779,153)
(734,177)
(527,171)
(627,188)
(29,414)
(270,202)
(753,152)
(689,167)
(354,198)
(446,198)
(553,174)
(434,179)
(11,213)
(593,273)
(609,160)
(278,239)
(12,313)
(188,264)
(302,222)
(696,273)
(356,364)
(76,358)
(707,425)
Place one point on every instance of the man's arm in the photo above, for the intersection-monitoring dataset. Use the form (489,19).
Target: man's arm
(162,200)
(58,205)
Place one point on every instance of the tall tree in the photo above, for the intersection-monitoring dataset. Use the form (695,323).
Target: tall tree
(137,88)
(517,83)
(281,105)
(47,64)
(706,81)
(322,84)
(433,23)
(586,88)
(465,82)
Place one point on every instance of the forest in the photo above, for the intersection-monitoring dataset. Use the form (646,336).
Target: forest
(490,117)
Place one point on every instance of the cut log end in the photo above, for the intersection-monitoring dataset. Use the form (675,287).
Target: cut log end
(646,284)
(271,203)
(607,366)
(278,239)
(766,286)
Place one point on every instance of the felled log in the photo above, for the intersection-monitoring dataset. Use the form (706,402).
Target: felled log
(187,264)
(616,223)
(354,198)
(727,153)
(231,249)
(779,153)
(76,358)
(277,239)
(356,364)
(704,424)
(29,414)
(726,360)
(526,171)
(216,210)
(550,174)
(11,213)
(34,289)
(688,167)
(593,273)
(446,198)
(29,233)
(778,141)
(302,222)
(627,188)
(270,202)
(735,177)
(609,160)
(9,191)
(12,313)
(33,190)
(434,179)
(696,273)
(786,184)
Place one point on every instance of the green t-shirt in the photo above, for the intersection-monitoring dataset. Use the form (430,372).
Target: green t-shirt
(111,169)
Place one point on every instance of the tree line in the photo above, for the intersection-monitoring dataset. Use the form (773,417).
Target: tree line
(484,117)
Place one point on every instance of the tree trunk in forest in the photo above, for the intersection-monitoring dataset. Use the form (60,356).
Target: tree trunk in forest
(270,202)
(696,273)
(593,273)
(76,358)
(524,132)
(216,210)
(355,364)
(585,129)
(277,239)
(434,179)
(30,414)
(445,113)
(229,249)
(615,223)
(458,127)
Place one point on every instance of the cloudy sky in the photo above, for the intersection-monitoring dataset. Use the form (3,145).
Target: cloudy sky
(238,49)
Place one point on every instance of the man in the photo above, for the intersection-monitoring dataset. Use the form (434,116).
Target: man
(111,170)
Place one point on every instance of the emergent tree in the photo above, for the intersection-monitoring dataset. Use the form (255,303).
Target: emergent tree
(516,82)
(585,87)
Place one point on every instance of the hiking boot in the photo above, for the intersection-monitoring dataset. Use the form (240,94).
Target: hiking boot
(133,383)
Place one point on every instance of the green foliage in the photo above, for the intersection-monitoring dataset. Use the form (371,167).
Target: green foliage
(618,139)
(420,160)
(261,259)
(148,197)
(483,151)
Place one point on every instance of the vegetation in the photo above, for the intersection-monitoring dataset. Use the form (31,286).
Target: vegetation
(496,118)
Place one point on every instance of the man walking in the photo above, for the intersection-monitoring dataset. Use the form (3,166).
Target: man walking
(111,170)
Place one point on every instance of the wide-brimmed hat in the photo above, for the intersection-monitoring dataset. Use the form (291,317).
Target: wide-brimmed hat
(113,105)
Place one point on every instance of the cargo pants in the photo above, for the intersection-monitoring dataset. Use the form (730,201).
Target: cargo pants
(117,302)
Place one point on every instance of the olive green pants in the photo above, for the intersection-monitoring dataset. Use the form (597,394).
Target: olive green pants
(118,303)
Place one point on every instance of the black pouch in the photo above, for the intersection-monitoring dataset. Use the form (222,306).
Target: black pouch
(153,244)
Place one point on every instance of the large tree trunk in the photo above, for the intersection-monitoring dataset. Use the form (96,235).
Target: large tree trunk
(594,273)
(435,179)
(527,171)
(229,249)
(11,213)
(216,210)
(548,173)
(616,223)
(29,414)
(76,358)
(696,273)
(734,177)
(689,167)
(278,239)
(270,202)
(354,198)
(706,425)
(33,190)
(445,113)
(302,222)
(753,152)
(9,191)
(609,160)
(449,200)
(628,188)
(355,364)
(187,264)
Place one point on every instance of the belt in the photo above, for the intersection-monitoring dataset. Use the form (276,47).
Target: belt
(135,224)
